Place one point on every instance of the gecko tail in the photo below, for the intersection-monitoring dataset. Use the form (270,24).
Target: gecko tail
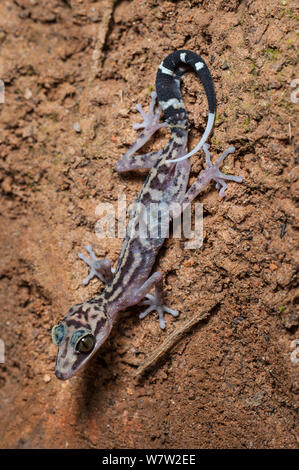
(169,94)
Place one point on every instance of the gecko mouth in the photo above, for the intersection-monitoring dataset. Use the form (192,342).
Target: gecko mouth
(66,372)
(62,375)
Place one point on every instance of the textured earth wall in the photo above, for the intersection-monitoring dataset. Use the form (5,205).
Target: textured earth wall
(73,72)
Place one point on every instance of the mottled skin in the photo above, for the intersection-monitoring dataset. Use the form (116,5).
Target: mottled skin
(87,325)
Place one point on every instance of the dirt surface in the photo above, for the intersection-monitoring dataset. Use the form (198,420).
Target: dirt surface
(73,71)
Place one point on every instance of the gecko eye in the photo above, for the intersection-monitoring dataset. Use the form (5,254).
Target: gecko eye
(83,341)
(85,344)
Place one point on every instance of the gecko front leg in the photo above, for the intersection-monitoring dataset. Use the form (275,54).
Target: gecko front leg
(155,301)
(99,268)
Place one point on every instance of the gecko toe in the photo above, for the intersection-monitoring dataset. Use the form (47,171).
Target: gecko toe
(154,305)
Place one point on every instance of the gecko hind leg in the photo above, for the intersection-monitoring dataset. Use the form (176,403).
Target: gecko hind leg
(218,176)
(212,172)
(150,125)
(99,268)
(137,162)
(155,302)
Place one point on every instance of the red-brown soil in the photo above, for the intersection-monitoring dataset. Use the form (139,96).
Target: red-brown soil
(82,65)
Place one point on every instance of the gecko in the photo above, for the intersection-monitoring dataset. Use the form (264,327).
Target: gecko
(87,325)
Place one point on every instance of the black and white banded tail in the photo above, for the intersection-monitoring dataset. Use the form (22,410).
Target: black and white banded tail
(169,94)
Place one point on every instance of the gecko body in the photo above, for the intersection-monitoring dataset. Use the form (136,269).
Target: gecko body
(87,325)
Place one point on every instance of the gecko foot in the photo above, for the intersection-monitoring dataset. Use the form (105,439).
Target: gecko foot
(153,302)
(151,119)
(99,268)
(149,125)
(214,173)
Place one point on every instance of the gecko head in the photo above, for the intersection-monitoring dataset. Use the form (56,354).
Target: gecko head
(79,335)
